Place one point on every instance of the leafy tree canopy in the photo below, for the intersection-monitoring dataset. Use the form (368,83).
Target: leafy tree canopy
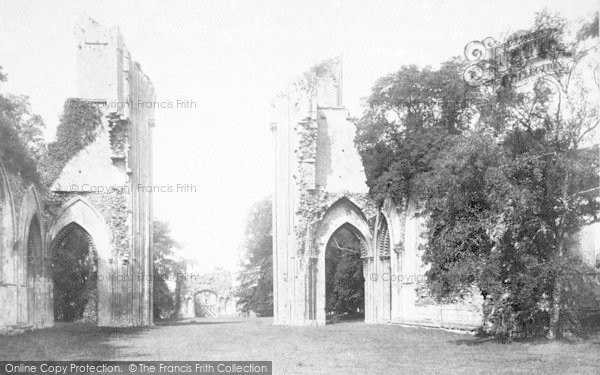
(255,289)
(21,135)
(407,118)
(166,267)
(506,179)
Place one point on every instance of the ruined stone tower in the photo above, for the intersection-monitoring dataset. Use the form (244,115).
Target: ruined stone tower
(104,191)
(120,159)
(320,187)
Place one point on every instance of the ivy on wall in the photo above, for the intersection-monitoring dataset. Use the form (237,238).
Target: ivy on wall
(118,135)
(79,126)
(314,202)
(328,68)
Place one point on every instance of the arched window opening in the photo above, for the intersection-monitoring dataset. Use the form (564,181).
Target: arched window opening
(344,280)
(35,270)
(74,270)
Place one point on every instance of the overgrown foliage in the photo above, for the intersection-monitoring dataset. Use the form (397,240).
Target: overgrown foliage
(408,117)
(80,124)
(74,272)
(21,136)
(255,289)
(506,179)
(166,267)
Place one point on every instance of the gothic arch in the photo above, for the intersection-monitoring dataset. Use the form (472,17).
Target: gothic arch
(80,211)
(395,224)
(342,214)
(31,209)
(384,268)
(7,228)
(384,243)
(32,270)
(83,213)
(397,232)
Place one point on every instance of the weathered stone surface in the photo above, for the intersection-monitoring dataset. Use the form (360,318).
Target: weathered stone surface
(103,189)
(23,282)
(320,186)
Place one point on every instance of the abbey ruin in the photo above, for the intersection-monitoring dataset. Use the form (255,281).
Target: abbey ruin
(35,220)
(320,189)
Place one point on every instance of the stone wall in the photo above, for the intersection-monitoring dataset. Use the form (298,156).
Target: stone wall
(214,289)
(114,174)
(207,303)
(25,285)
(106,189)
(320,186)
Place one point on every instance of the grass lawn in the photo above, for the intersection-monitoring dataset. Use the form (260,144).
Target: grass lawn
(343,348)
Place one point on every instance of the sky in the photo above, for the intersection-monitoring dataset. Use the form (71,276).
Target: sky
(231,58)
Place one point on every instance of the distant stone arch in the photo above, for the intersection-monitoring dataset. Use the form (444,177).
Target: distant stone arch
(342,214)
(208,305)
(205,290)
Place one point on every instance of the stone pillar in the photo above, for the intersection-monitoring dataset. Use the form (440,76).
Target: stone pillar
(316,164)
(121,156)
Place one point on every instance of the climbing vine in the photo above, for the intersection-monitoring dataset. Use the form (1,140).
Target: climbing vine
(313,207)
(79,126)
(314,202)
(328,68)
(118,135)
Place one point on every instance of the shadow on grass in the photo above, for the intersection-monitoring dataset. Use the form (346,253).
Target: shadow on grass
(169,323)
(345,319)
(474,341)
(592,337)
(68,341)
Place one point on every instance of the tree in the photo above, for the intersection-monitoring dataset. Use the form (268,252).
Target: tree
(21,136)
(165,268)
(255,290)
(74,272)
(28,125)
(407,119)
(550,189)
(505,191)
